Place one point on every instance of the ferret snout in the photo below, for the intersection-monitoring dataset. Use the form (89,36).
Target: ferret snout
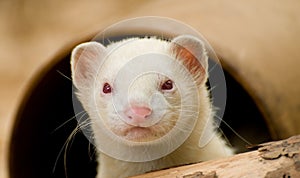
(137,115)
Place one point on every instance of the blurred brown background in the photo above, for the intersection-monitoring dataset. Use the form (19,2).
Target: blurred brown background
(261,38)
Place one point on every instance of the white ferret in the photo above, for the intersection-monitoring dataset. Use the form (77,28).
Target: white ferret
(151,119)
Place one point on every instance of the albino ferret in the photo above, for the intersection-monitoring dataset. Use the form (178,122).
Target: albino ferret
(147,102)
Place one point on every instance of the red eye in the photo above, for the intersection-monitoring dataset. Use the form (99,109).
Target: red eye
(168,85)
(106,88)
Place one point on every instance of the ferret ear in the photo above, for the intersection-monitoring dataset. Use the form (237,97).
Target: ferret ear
(191,51)
(85,60)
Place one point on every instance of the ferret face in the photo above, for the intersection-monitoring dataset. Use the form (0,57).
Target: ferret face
(142,107)
(140,89)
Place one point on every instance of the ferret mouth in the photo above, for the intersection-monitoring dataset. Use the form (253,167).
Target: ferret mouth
(141,134)
(138,134)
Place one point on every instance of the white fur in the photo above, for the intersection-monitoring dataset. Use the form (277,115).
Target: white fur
(145,90)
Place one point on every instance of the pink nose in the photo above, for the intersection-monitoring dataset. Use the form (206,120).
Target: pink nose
(136,115)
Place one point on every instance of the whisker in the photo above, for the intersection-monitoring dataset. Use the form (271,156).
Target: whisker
(64,147)
(64,75)
(189,105)
(224,136)
(212,88)
(70,139)
(213,67)
(91,154)
(83,117)
(109,41)
(63,124)
(237,134)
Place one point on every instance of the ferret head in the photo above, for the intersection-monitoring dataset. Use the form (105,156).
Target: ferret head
(140,89)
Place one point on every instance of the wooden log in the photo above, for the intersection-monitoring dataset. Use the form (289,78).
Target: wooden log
(269,160)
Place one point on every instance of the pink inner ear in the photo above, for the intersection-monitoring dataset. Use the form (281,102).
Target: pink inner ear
(190,61)
(84,60)
(81,65)
(76,57)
